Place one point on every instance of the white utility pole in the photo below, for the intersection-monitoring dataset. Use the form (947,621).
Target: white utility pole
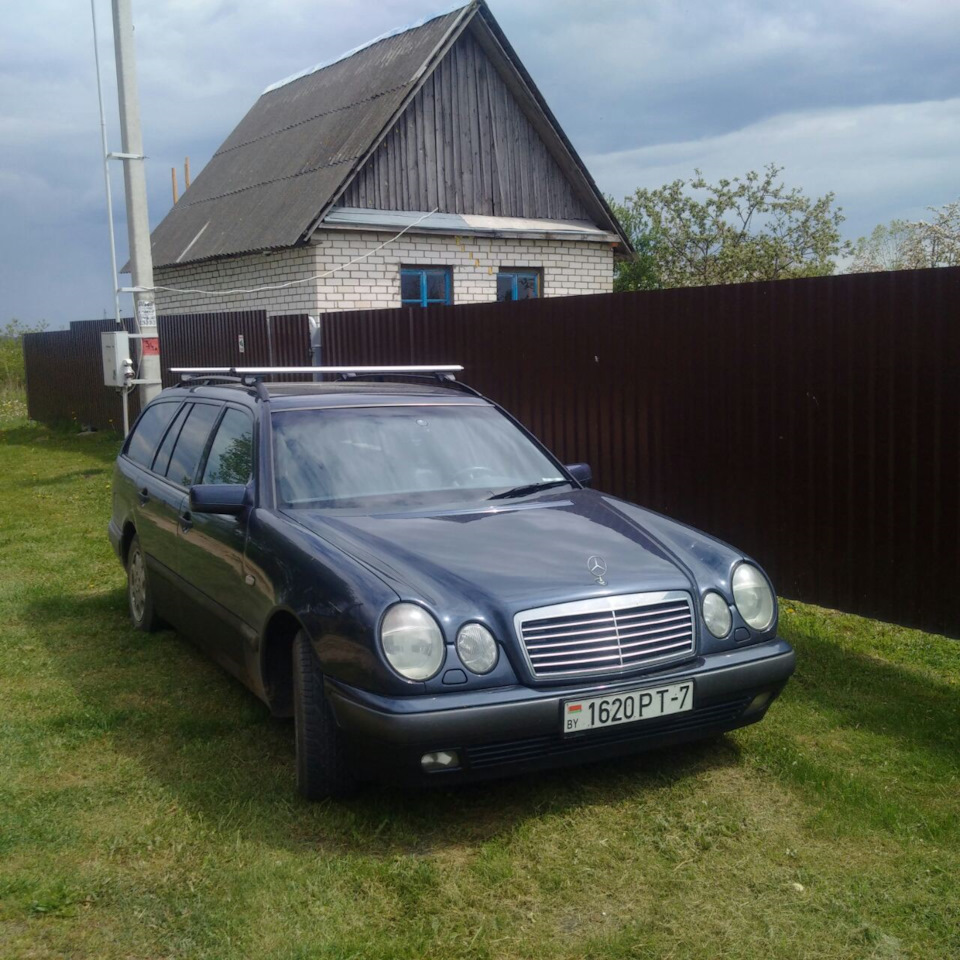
(135,183)
(106,183)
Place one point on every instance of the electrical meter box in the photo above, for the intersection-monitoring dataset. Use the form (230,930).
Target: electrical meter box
(115,350)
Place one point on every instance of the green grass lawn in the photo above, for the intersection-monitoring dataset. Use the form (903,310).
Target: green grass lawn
(147,804)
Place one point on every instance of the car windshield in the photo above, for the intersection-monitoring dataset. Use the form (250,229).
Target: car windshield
(404,456)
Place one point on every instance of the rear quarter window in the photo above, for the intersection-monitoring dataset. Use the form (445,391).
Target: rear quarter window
(162,460)
(143,442)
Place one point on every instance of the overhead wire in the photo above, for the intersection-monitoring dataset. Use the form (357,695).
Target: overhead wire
(290,283)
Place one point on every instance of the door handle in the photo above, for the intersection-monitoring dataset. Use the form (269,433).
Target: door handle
(186,521)
(143,495)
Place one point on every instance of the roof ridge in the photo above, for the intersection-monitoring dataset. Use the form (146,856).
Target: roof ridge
(459,5)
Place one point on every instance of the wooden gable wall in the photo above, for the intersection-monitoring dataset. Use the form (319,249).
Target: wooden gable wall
(464,145)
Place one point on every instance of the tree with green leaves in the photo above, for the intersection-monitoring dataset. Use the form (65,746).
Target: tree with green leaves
(911,244)
(235,463)
(694,233)
(638,271)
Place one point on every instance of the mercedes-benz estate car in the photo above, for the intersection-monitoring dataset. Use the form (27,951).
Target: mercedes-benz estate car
(405,570)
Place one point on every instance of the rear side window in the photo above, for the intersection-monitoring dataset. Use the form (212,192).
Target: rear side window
(231,455)
(191,442)
(162,459)
(142,444)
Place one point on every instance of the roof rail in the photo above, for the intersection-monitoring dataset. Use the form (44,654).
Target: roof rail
(252,383)
(264,371)
(443,379)
(251,376)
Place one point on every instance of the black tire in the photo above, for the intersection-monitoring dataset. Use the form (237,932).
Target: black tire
(322,769)
(139,594)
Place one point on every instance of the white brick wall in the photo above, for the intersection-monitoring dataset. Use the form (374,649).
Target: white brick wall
(569,268)
(242,273)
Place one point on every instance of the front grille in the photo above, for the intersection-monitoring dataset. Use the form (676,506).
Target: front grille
(607,634)
(704,719)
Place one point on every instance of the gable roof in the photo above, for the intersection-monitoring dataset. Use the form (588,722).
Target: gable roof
(287,162)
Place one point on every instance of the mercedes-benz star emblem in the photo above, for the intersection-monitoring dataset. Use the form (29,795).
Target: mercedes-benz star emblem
(597,567)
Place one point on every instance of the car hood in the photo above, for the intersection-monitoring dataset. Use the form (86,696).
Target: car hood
(512,554)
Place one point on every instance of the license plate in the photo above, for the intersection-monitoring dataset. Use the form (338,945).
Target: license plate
(628,707)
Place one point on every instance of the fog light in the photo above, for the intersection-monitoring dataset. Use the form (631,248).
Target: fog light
(440,760)
(758,702)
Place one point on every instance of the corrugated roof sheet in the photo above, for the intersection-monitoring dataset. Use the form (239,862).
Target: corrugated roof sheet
(383,36)
(294,149)
(299,144)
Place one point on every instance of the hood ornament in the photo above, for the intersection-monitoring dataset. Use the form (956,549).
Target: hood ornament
(597,568)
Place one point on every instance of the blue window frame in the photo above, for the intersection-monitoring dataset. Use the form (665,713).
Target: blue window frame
(519,283)
(425,286)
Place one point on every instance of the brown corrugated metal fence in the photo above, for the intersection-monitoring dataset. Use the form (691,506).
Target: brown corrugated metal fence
(65,372)
(243,338)
(237,339)
(65,377)
(813,423)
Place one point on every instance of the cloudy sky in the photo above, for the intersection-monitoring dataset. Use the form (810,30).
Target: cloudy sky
(861,97)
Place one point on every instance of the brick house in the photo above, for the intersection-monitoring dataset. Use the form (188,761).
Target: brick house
(435,132)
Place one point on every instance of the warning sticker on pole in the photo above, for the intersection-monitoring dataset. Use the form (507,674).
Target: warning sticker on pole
(150,347)
(146,313)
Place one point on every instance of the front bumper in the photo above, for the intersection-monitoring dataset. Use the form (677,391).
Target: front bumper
(496,731)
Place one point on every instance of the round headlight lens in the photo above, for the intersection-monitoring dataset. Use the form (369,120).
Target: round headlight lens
(477,648)
(716,614)
(412,641)
(753,596)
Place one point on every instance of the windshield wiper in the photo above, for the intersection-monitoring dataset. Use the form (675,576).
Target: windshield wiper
(522,491)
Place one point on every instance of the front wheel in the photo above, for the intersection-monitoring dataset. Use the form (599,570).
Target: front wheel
(139,595)
(322,769)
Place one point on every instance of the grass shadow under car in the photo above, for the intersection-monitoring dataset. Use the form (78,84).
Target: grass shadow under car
(212,744)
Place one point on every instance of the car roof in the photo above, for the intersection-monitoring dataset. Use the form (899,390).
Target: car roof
(285,396)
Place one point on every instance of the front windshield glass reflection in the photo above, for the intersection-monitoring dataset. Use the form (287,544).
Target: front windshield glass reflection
(403,456)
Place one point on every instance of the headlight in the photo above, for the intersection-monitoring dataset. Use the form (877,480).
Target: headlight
(412,641)
(753,596)
(477,648)
(716,614)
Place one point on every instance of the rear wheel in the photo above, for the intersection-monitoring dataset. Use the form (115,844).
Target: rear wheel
(322,769)
(139,596)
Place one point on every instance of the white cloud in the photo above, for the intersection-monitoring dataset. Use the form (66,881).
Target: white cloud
(858,97)
(881,161)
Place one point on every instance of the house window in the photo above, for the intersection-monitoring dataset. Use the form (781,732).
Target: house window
(425,286)
(521,283)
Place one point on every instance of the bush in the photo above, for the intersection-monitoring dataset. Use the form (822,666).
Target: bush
(12,376)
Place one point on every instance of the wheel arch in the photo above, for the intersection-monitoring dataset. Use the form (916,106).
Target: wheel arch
(126,538)
(276,660)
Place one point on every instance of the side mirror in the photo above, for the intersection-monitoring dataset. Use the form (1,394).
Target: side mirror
(227,498)
(580,472)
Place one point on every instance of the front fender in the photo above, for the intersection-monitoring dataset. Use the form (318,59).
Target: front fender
(337,600)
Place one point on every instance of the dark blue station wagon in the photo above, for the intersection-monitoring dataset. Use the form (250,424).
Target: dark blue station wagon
(405,570)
